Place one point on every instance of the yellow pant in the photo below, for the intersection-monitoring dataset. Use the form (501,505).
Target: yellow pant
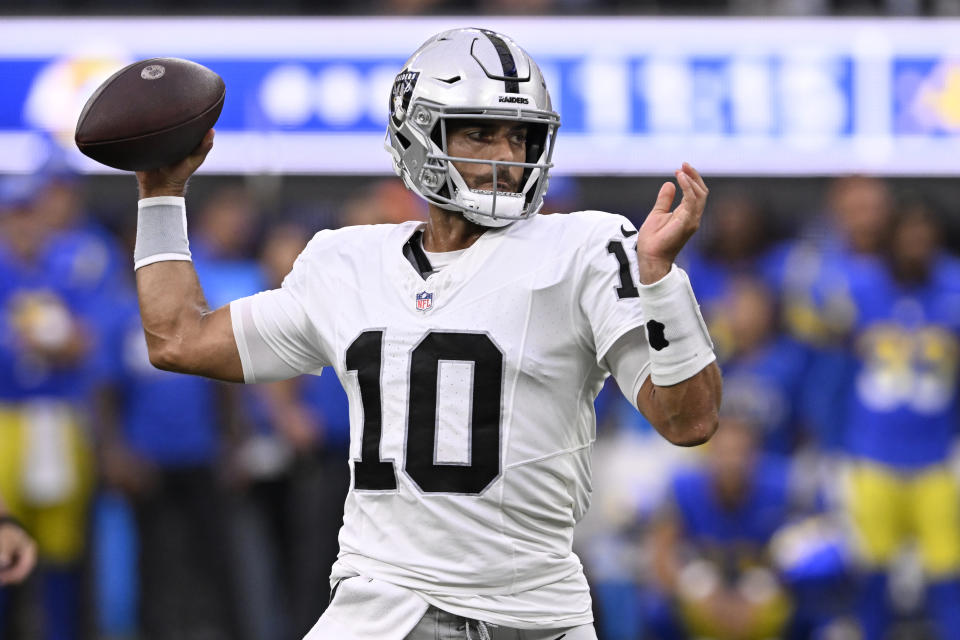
(53,505)
(890,507)
(735,615)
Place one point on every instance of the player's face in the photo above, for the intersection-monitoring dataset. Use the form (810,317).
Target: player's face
(750,314)
(862,207)
(488,140)
(25,230)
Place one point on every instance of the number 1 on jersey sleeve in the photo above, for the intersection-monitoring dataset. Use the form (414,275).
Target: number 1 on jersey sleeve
(627,288)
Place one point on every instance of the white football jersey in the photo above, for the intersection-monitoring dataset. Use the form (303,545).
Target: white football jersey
(471,401)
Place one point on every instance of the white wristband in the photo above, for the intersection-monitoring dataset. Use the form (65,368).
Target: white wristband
(680,345)
(161,231)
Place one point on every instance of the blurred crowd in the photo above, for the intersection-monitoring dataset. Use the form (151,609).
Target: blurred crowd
(169,506)
(827,505)
(490,7)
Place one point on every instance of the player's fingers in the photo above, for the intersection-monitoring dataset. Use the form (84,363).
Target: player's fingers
(204,147)
(692,192)
(691,196)
(198,155)
(664,198)
(208,139)
(698,182)
(697,178)
(694,200)
(694,187)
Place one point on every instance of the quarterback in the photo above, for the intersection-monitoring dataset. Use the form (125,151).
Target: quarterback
(471,347)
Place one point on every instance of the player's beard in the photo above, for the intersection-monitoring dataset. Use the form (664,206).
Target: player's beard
(505,183)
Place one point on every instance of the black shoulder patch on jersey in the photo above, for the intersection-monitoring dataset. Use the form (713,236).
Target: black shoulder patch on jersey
(658,341)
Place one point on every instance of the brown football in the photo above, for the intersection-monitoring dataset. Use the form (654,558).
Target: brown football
(150,114)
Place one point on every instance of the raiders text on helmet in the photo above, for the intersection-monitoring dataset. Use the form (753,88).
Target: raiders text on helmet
(470,74)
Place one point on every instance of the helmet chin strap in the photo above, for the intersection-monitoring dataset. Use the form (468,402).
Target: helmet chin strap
(478,206)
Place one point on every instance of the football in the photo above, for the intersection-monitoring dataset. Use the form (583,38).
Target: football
(150,114)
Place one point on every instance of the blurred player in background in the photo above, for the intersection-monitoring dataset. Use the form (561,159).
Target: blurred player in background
(710,542)
(471,347)
(810,270)
(736,243)
(901,414)
(161,450)
(765,371)
(45,356)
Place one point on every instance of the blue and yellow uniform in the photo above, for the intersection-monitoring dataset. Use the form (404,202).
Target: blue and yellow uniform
(901,415)
(899,420)
(734,539)
(46,468)
(45,465)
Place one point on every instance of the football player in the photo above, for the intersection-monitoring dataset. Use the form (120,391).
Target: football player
(471,348)
(46,466)
(900,416)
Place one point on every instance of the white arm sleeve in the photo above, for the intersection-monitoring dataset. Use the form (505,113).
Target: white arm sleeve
(276,336)
(260,362)
(628,360)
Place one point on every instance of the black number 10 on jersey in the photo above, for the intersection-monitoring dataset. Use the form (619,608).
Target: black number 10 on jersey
(365,356)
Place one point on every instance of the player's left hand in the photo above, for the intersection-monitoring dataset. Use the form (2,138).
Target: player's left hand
(664,232)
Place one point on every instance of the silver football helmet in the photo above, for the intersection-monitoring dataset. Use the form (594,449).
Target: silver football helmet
(470,74)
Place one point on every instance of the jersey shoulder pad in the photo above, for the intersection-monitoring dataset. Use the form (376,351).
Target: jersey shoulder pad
(603,222)
(327,244)
(582,228)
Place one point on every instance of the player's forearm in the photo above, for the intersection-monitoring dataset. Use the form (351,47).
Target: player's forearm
(182,333)
(172,309)
(682,395)
(688,411)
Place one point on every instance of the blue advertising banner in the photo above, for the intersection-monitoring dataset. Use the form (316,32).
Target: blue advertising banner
(636,95)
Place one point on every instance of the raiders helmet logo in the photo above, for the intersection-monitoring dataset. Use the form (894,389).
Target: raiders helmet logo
(400,95)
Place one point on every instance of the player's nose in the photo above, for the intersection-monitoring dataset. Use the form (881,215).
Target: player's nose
(501,149)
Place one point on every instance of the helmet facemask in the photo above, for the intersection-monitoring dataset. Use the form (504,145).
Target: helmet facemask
(495,207)
(446,82)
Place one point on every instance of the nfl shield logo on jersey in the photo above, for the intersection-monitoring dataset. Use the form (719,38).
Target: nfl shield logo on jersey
(424,301)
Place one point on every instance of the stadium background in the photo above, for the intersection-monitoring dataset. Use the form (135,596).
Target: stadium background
(223,501)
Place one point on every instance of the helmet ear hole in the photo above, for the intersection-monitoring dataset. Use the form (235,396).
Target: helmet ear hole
(436,136)
(403,140)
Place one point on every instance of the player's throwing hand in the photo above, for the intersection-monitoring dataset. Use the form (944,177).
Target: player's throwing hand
(664,232)
(172,180)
